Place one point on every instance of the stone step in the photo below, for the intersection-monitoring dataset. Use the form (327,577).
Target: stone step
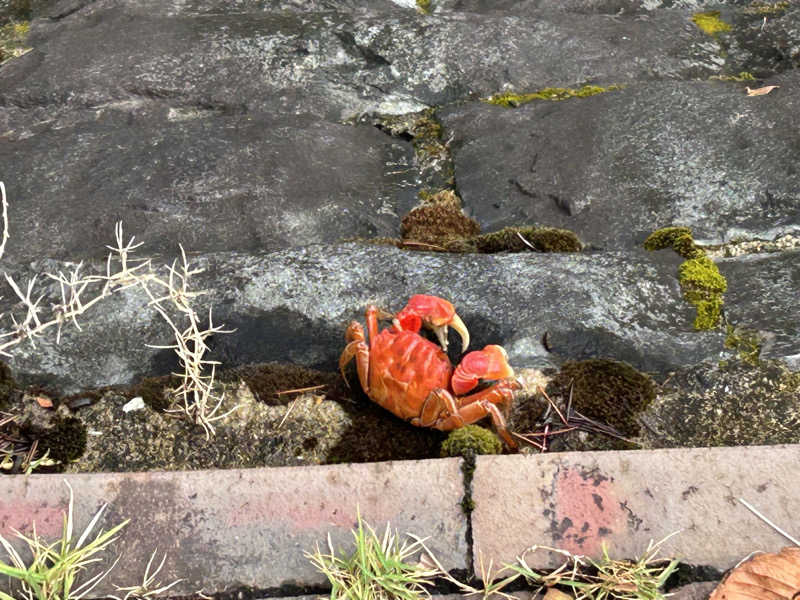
(223,530)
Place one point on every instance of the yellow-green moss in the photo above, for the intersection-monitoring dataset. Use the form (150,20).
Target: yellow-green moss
(765,8)
(710,22)
(471,440)
(746,343)
(12,40)
(702,283)
(425,6)
(606,390)
(742,76)
(513,100)
(678,238)
(541,239)
(703,286)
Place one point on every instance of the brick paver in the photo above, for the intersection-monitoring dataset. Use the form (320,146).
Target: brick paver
(227,529)
(578,501)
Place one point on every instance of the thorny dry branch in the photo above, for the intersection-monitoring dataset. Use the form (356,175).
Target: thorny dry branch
(197,399)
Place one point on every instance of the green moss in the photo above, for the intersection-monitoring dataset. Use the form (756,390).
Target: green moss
(700,279)
(703,286)
(12,40)
(425,6)
(746,343)
(471,440)
(742,76)
(765,8)
(710,22)
(513,100)
(678,238)
(65,440)
(606,390)
(541,239)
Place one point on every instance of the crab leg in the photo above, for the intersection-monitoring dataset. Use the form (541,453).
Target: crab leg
(444,412)
(356,348)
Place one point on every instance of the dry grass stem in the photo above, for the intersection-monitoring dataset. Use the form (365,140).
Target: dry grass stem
(300,390)
(170,294)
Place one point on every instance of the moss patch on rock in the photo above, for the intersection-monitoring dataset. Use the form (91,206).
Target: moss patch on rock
(471,440)
(710,22)
(513,100)
(65,441)
(606,390)
(523,239)
(155,391)
(746,343)
(741,77)
(439,222)
(702,283)
(12,40)
(265,380)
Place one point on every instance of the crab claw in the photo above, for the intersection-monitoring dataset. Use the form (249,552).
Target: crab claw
(435,314)
(489,363)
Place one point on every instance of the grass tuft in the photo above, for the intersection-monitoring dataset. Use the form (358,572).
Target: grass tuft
(378,569)
(55,567)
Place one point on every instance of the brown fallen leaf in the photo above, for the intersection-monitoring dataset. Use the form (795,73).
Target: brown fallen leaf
(763,577)
(760,91)
(44,401)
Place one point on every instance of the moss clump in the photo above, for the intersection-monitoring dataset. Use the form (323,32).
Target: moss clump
(742,76)
(606,390)
(700,279)
(424,6)
(471,440)
(155,391)
(65,440)
(439,222)
(678,238)
(542,239)
(710,22)
(703,286)
(12,40)
(512,100)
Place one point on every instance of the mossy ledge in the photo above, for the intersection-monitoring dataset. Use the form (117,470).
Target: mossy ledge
(12,40)
(710,23)
(513,100)
(702,283)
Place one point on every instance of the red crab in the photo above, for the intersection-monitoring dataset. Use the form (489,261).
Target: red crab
(413,378)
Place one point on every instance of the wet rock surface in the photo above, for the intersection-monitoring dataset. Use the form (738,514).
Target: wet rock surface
(275,140)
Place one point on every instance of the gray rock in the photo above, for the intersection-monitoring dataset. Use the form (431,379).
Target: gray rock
(293,306)
(616,166)
(207,178)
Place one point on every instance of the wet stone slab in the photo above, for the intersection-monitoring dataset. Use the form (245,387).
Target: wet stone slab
(578,502)
(224,530)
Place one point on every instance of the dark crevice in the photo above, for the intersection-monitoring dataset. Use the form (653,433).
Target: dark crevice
(467,506)
(70,9)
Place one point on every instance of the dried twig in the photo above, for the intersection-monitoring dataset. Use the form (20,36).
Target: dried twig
(753,510)
(300,390)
